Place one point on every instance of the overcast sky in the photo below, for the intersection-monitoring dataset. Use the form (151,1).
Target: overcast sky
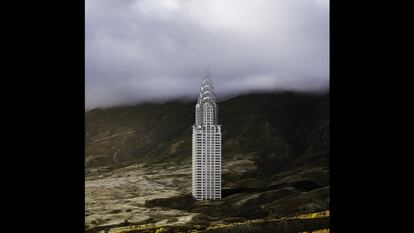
(140,50)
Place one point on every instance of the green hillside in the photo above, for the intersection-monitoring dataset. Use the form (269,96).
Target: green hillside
(275,165)
(275,130)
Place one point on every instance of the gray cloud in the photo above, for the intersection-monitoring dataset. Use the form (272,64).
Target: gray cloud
(139,50)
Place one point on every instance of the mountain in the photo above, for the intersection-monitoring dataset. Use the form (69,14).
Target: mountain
(277,130)
(275,166)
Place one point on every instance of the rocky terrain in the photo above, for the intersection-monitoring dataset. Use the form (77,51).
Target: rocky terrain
(275,165)
(160,194)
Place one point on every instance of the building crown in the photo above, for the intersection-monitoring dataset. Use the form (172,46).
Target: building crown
(206,100)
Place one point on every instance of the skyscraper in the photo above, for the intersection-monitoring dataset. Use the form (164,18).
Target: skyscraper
(206,151)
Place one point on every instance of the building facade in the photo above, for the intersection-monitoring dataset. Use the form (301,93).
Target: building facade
(206,145)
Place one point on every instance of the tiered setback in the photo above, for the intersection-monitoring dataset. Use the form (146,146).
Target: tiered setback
(206,150)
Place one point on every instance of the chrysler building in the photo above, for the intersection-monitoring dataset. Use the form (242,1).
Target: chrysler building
(206,150)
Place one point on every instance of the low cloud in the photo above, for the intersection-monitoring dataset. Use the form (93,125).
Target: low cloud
(143,50)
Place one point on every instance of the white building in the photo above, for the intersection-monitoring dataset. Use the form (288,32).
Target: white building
(206,151)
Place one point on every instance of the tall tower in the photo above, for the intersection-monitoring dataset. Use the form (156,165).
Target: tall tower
(206,151)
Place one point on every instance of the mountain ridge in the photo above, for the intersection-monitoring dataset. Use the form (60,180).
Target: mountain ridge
(275,162)
(276,129)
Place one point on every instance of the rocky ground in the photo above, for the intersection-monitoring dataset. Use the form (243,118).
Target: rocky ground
(275,152)
(160,194)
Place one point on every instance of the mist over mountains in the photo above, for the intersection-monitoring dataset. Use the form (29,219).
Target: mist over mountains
(142,50)
(144,62)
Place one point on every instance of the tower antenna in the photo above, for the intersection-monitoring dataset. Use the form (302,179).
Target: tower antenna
(207,55)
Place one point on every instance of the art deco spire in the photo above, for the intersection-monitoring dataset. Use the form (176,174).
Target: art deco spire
(206,97)
(206,145)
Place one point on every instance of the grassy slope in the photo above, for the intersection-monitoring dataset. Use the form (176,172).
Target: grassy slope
(278,130)
(285,134)
(313,222)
